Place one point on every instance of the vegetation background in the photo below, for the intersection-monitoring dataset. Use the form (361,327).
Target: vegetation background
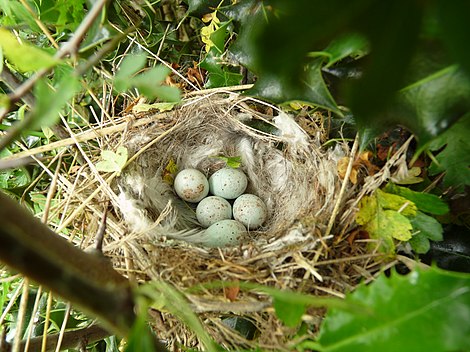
(371,65)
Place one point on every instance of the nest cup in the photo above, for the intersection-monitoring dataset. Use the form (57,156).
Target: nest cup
(287,170)
(286,167)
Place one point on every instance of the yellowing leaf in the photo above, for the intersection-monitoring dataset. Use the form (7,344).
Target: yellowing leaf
(379,216)
(393,224)
(113,161)
(24,56)
(367,210)
(161,107)
(170,172)
(397,203)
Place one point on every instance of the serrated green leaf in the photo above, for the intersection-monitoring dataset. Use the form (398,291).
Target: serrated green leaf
(392,224)
(426,310)
(50,102)
(455,158)
(24,56)
(427,226)
(113,161)
(289,313)
(426,202)
(396,202)
(367,210)
(420,243)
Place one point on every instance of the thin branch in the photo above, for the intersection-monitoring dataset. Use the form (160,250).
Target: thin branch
(88,280)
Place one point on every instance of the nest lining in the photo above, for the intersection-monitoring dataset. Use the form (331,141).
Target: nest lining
(295,180)
(289,170)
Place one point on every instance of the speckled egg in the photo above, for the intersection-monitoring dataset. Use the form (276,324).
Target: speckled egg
(250,210)
(191,185)
(213,209)
(224,233)
(228,183)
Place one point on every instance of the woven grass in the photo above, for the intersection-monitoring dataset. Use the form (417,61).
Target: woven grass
(152,235)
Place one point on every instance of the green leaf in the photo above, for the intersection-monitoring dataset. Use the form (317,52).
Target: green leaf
(432,104)
(232,161)
(24,56)
(128,67)
(392,29)
(379,216)
(454,23)
(427,226)
(289,313)
(140,338)
(426,202)
(50,102)
(220,75)
(348,45)
(161,107)
(112,162)
(426,310)
(455,158)
(420,243)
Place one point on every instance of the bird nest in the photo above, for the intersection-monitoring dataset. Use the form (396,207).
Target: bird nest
(153,235)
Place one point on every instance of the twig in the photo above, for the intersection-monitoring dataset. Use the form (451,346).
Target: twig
(343,186)
(101,230)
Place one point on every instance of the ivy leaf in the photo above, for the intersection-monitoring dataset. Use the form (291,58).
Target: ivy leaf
(24,56)
(426,202)
(113,161)
(426,310)
(455,158)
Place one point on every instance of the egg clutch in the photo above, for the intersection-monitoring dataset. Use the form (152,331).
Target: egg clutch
(215,212)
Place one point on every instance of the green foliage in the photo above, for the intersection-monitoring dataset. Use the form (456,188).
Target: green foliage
(220,75)
(454,159)
(50,101)
(426,310)
(23,56)
(148,82)
(393,214)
